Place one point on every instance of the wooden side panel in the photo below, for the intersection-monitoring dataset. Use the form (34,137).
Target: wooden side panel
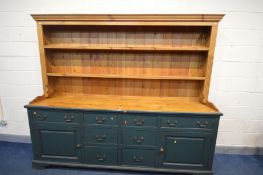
(47,89)
(209,63)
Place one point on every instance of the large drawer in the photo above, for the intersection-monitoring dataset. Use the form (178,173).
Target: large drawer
(56,116)
(99,134)
(139,137)
(139,120)
(189,122)
(100,119)
(101,155)
(138,157)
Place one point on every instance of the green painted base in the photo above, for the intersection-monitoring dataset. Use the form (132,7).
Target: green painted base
(44,164)
(39,166)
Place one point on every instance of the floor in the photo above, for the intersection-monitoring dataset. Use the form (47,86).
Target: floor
(15,159)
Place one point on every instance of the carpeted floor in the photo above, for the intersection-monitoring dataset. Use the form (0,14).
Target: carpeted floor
(15,159)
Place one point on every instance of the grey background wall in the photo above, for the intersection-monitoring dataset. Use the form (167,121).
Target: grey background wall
(237,79)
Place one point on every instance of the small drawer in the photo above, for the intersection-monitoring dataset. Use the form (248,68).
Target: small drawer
(139,137)
(56,116)
(101,135)
(100,119)
(101,155)
(140,121)
(189,122)
(138,157)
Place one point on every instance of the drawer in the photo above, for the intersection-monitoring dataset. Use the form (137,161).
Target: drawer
(189,122)
(100,119)
(56,116)
(101,135)
(140,121)
(138,157)
(101,155)
(138,137)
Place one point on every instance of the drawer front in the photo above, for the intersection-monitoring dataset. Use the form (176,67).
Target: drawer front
(101,135)
(56,116)
(189,122)
(100,119)
(139,137)
(138,157)
(101,155)
(139,120)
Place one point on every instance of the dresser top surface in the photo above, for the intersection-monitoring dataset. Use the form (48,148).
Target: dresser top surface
(122,103)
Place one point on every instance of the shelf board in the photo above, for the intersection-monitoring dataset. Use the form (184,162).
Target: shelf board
(125,48)
(125,76)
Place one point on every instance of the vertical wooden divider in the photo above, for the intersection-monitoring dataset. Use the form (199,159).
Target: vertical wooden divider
(46,87)
(209,64)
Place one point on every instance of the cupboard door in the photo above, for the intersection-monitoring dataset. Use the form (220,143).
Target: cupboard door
(56,142)
(185,150)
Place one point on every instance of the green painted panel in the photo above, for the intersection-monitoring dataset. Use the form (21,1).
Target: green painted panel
(57,142)
(138,157)
(100,118)
(185,150)
(100,134)
(56,116)
(144,137)
(101,155)
(139,120)
(131,138)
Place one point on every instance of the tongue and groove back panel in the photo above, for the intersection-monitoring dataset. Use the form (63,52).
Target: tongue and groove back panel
(162,61)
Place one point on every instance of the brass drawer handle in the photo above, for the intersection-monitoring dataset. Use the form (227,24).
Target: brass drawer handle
(69,118)
(100,120)
(138,122)
(101,157)
(172,124)
(202,125)
(137,158)
(138,139)
(101,138)
(39,116)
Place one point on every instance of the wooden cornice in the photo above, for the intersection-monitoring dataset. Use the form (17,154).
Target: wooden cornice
(130,17)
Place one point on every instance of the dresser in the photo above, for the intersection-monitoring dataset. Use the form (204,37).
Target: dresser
(125,92)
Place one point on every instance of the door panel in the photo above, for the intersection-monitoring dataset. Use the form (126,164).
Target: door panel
(185,150)
(57,142)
